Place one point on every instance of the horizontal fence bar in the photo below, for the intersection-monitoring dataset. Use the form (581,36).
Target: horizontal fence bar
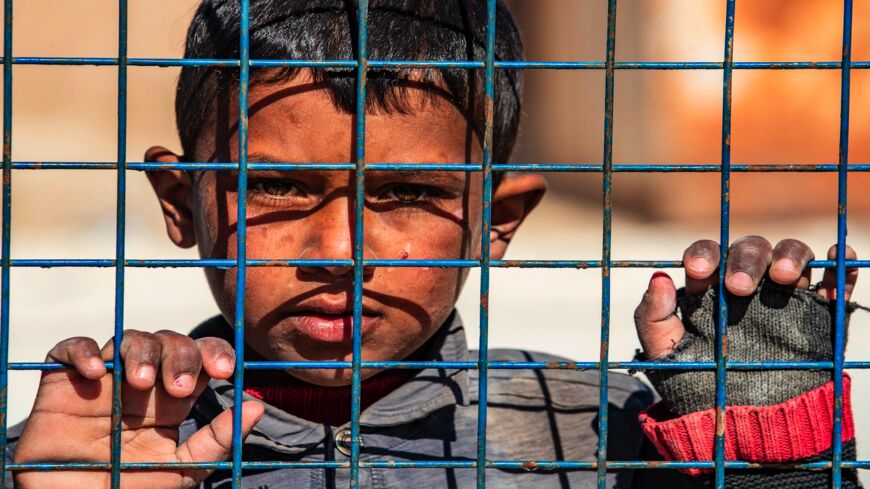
(528,465)
(516,167)
(561,365)
(230,263)
(439,64)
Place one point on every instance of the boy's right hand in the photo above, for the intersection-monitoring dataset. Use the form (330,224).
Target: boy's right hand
(165,372)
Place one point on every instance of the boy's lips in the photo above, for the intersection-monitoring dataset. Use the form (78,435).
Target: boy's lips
(330,329)
(329,322)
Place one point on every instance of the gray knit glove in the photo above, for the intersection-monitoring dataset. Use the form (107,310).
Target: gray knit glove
(776,323)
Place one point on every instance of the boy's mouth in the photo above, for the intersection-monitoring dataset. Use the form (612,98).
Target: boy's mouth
(330,322)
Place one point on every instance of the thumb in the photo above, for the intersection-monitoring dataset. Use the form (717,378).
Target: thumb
(658,327)
(213,443)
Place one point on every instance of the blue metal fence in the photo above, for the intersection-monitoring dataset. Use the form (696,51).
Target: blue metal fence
(362,64)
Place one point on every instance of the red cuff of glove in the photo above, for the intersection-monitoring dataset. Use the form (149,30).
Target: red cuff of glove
(796,429)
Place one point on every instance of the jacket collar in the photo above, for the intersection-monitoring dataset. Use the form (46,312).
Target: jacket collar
(427,392)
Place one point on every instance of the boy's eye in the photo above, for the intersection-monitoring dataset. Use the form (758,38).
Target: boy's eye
(276,188)
(407,193)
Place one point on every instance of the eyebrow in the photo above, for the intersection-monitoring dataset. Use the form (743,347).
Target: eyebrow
(440,177)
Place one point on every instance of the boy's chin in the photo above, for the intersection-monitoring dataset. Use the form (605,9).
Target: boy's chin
(330,377)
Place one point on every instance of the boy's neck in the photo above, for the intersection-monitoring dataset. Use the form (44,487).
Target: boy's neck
(325,405)
(331,405)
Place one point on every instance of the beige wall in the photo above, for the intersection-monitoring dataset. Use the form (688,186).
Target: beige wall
(675,116)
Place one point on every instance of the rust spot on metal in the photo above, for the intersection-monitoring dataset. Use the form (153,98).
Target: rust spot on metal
(608,199)
(275,263)
(530,466)
(562,365)
(484,301)
(724,347)
(720,420)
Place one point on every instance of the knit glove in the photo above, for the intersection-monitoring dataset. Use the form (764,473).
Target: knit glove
(776,323)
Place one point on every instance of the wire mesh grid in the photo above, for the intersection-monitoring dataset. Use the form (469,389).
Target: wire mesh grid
(362,64)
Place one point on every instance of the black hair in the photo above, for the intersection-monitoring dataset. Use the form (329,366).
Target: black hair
(326,30)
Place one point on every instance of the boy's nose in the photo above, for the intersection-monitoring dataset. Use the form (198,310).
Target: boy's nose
(330,238)
(329,242)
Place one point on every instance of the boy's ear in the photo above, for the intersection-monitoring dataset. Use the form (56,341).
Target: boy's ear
(512,201)
(173,189)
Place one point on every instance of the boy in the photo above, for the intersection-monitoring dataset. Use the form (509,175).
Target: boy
(177,398)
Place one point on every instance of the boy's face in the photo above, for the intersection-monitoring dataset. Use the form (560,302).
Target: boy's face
(305,313)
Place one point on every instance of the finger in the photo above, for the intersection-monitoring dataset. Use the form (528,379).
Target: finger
(218,357)
(658,327)
(180,364)
(213,443)
(748,260)
(82,353)
(789,263)
(140,352)
(828,287)
(701,259)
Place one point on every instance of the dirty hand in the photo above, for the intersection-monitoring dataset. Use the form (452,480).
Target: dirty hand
(165,372)
(749,260)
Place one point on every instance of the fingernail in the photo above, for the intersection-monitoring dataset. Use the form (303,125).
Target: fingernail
(184,381)
(224,363)
(786,265)
(741,281)
(145,372)
(699,265)
(659,275)
(95,364)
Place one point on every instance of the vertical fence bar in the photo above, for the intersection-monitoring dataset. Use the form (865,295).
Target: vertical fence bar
(358,235)
(724,225)
(120,238)
(7,231)
(842,176)
(241,245)
(607,217)
(486,217)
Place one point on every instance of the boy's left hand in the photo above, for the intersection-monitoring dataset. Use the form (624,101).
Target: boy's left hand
(749,260)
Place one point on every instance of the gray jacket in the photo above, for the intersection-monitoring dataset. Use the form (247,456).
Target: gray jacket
(531,415)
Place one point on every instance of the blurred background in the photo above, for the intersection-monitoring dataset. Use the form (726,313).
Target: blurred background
(69,114)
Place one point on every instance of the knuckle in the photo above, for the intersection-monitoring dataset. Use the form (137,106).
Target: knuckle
(704,247)
(144,349)
(75,345)
(752,244)
(642,309)
(168,334)
(79,342)
(132,335)
(639,313)
(749,256)
(793,248)
(214,346)
(184,358)
(792,243)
